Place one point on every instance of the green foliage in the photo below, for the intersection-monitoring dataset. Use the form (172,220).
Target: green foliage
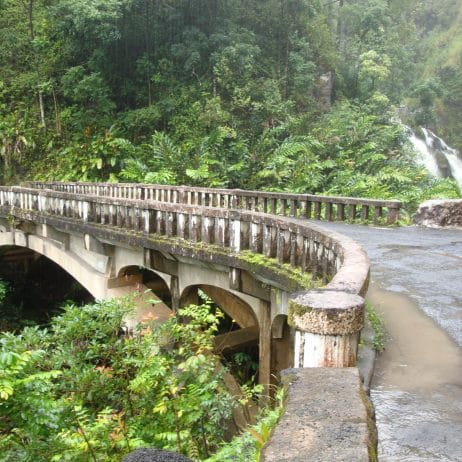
(13,365)
(437,97)
(99,157)
(351,151)
(247,446)
(90,107)
(85,391)
(373,68)
(225,94)
(378,341)
(16,140)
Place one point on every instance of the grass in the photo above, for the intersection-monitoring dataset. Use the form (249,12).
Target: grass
(378,341)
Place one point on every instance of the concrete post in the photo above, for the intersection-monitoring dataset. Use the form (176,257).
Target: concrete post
(393,214)
(175,292)
(327,325)
(235,235)
(264,346)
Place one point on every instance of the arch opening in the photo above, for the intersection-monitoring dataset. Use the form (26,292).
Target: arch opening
(237,339)
(150,279)
(34,288)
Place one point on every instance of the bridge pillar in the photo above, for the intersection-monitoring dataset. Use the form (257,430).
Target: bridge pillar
(264,346)
(175,291)
(327,325)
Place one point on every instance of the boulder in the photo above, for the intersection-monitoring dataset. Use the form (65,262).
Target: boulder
(154,455)
(439,212)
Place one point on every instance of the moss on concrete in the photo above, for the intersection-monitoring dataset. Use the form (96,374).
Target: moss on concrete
(372,440)
(290,277)
(296,310)
(302,280)
(250,261)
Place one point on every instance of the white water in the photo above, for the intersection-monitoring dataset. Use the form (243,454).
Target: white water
(456,167)
(436,156)
(426,157)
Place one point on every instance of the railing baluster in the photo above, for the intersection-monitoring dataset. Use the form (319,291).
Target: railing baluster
(329,211)
(293,208)
(377,213)
(352,212)
(317,210)
(365,213)
(283,207)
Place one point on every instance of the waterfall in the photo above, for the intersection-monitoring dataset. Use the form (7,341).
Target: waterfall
(456,167)
(436,156)
(426,157)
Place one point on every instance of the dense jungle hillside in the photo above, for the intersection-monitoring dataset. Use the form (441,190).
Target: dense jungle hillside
(297,95)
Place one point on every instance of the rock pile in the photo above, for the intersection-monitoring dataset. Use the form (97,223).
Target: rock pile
(439,213)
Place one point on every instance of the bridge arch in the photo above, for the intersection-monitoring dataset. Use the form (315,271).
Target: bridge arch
(231,304)
(199,237)
(92,280)
(39,287)
(150,279)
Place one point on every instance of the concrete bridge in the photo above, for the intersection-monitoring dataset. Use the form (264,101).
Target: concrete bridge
(292,286)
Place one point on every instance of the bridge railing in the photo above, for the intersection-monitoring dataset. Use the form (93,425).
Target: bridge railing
(329,208)
(326,322)
(303,246)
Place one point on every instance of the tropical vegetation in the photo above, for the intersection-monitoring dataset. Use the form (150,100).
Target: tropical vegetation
(84,389)
(286,95)
(229,93)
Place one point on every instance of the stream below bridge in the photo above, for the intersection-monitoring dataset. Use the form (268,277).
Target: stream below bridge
(416,286)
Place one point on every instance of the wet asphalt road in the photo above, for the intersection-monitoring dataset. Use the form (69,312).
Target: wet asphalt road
(424,263)
(417,387)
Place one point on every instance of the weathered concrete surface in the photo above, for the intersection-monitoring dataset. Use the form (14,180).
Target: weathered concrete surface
(149,308)
(327,418)
(327,325)
(326,312)
(366,355)
(438,213)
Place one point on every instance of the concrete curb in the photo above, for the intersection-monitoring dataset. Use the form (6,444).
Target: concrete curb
(327,417)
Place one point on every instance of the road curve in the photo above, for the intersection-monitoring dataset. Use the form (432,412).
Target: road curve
(423,263)
(417,387)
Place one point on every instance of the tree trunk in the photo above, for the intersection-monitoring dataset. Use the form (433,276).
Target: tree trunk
(42,108)
(340,27)
(58,127)
(30,12)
